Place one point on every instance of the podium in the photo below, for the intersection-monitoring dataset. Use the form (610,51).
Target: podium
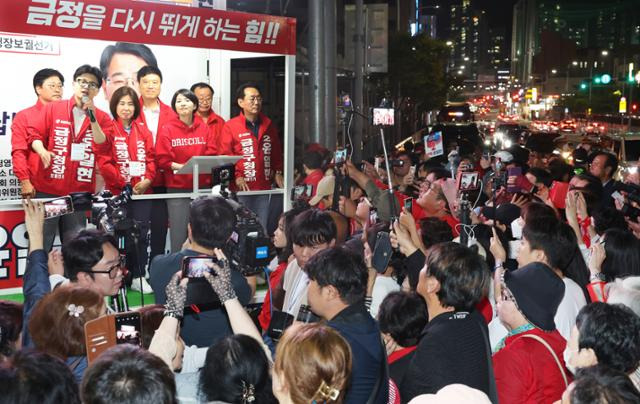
(206,164)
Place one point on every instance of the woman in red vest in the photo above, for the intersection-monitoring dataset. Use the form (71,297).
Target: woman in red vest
(128,158)
(178,141)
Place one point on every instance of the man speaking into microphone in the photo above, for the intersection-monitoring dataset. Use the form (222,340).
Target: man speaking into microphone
(64,136)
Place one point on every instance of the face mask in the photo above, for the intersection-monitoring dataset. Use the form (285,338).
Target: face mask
(567,356)
(516,228)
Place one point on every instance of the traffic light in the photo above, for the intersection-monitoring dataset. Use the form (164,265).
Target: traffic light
(583,86)
(597,80)
(634,107)
(602,79)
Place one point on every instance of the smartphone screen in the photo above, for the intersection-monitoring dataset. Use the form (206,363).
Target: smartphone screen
(408,204)
(512,179)
(195,267)
(340,156)
(58,207)
(468,181)
(128,328)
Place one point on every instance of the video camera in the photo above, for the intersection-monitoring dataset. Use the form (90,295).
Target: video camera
(249,248)
(108,212)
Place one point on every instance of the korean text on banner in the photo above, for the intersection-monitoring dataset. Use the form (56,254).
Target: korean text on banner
(131,21)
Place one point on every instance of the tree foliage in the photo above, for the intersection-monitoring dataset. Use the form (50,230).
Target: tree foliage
(417,69)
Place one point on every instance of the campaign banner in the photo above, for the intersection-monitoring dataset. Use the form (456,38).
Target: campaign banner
(151,23)
(14,248)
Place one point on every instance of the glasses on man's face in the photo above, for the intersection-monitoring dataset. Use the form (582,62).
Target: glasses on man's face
(112,270)
(92,85)
(204,100)
(54,86)
(254,100)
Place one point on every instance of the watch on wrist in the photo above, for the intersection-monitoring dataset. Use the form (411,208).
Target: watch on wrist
(597,277)
(173,314)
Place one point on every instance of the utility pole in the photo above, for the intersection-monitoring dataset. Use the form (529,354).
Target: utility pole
(331,71)
(317,70)
(358,99)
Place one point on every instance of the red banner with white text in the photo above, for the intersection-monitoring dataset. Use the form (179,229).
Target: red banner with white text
(150,23)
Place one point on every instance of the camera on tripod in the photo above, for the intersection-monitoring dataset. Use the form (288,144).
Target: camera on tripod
(108,212)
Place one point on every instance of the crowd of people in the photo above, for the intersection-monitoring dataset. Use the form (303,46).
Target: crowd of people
(522,288)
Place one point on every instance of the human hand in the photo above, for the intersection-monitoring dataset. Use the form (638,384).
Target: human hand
(176,291)
(407,220)
(220,281)
(368,254)
(55,264)
(496,247)
(571,207)
(401,238)
(142,187)
(45,157)
(34,222)
(26,189)
(390,344)
(408,179)
(581,206)
(596,259)
(279,178)
(241,184)
(519,200)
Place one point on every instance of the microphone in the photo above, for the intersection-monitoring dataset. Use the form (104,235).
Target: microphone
(92,117)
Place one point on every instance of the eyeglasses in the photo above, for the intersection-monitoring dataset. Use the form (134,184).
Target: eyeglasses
(89,84)
(113,270)
(253,100)
(54,86)
(204,100)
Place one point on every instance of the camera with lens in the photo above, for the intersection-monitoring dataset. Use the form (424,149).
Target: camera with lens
(108,212)
(249,248)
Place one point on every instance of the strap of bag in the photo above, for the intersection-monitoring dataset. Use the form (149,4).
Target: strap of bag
(555,357)
(493,390)
(382,375)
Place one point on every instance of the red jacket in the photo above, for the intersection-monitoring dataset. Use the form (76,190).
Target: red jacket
(23,164)
(167,114)
(274,280)
(121,148)
(177,143)
(262,157)
(215,123)
(55,128)
(526,372)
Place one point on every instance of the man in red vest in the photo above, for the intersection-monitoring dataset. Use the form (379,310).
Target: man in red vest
(253,136)
(47,83)
(204,92)
(64,136)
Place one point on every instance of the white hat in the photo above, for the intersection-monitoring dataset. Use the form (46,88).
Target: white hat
(453,394)
(325,188)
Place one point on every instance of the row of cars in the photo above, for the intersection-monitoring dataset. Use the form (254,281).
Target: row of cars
(459,131)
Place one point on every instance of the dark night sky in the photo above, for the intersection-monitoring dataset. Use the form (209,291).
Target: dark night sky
(498,11)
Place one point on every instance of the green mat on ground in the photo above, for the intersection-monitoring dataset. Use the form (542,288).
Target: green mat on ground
(132,296)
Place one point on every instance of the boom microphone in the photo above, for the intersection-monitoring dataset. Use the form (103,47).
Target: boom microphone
(92,117)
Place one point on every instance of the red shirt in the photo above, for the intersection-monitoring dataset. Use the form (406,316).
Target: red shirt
(313,179)
(23,165)
(274,279)
(121,150)
(526,372)
(167,114)
(215,123)
(56,129)
(261,155)
(177,143)
(400,353)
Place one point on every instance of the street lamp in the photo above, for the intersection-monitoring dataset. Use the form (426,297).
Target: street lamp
(554,71)
(604,53)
